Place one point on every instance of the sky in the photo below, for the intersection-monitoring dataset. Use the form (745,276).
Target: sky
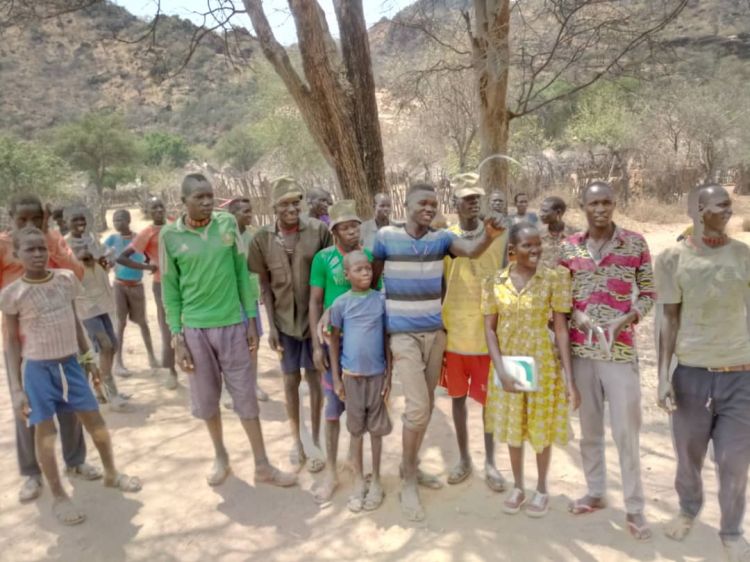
(277,12)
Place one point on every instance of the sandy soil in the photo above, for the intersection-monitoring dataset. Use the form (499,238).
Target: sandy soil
(178,517)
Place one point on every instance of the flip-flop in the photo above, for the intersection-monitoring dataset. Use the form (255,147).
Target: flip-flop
(496,483)
(460,473)
(30,490)
(373,501)
(217,478)
(84,471)
(538,506)
(411,513)
(67,514)
(679,527)
(424,479)
(297,458)
(125,483)
(315,465)
(641,534)
(578,508)
(514,502)
(278,478)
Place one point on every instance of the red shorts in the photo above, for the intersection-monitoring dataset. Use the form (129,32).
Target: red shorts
(466,374)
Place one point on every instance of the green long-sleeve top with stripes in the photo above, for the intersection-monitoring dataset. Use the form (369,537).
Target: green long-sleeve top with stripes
(204,275)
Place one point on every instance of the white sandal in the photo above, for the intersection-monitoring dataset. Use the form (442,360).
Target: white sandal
(514,502)
(539,505)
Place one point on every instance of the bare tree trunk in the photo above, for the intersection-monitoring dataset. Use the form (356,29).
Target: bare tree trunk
(336,98)
(491,53)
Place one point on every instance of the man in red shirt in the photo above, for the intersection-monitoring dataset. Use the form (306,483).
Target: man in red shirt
(25,211)
(147,242)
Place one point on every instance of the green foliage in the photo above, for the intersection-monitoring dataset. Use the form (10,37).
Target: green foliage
(163,148)
(27,167)
(604,117)
(240,148)
(99,145)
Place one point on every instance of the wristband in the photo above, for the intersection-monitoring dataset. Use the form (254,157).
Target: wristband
(86,358)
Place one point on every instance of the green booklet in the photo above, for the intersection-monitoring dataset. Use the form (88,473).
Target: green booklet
(522,369)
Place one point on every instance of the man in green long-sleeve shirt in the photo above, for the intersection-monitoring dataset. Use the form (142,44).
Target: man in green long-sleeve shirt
(205,287)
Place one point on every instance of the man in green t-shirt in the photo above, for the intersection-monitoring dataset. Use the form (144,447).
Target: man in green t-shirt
(327,283)
(205,287)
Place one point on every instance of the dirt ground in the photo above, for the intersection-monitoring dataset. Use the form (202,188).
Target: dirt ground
(178,517)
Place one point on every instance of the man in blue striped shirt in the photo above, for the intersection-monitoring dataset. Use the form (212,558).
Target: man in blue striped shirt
(410,257)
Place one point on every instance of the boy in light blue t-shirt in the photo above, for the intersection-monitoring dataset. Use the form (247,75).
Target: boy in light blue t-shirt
(360,363)
(130,298)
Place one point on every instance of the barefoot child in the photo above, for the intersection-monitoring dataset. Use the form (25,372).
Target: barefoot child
(42,328)
(517,304)
(130,298)
(361,372)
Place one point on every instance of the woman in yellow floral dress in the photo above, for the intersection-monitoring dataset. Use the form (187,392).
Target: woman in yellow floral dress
(517,304)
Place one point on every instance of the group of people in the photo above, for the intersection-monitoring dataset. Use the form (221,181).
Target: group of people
(354,305)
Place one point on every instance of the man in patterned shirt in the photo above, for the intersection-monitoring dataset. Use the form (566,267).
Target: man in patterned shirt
(613,289)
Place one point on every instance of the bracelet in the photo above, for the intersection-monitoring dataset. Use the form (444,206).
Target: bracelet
(86,358)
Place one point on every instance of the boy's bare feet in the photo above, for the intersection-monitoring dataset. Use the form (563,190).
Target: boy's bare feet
(219,471)
(638,526)
(375,496)
(31,489)
(679,527)
(269,474)
(84,471)
(357,499)
(122,482)
(587,504)
(66,513)
(411,507)
(324,491)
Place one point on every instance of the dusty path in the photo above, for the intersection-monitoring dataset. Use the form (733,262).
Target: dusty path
(178,517)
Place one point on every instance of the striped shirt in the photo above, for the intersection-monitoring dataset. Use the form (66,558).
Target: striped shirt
(412,277)
(45,314)
(621,281)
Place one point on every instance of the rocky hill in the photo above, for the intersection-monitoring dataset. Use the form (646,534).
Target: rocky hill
(57,69)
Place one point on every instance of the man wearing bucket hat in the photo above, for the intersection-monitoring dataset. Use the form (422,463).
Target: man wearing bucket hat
(328,282)
(281,254)
(466,364)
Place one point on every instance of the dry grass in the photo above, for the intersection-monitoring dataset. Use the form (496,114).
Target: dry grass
(650,209)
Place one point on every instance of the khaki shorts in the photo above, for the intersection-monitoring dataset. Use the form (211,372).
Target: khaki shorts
(417,362)
(130,302)
(366,410)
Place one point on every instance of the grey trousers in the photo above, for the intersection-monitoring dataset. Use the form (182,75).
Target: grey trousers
(167,353)
(620,385)
(71,435)
(712,406)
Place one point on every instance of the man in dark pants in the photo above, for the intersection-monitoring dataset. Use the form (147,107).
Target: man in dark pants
(703,283)
(27,211)
(281,253)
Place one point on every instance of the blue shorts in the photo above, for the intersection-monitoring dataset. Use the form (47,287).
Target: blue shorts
(297,354)
(55,386)
(334,406)
(101,324)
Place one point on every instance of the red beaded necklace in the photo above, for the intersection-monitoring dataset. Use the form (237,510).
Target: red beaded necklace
(196,224)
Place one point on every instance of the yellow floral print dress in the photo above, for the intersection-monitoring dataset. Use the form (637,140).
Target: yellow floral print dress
(539,417)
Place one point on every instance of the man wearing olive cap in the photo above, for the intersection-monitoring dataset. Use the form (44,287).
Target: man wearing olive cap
(281,254)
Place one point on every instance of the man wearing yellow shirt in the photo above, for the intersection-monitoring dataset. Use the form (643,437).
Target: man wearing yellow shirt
(466,364)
